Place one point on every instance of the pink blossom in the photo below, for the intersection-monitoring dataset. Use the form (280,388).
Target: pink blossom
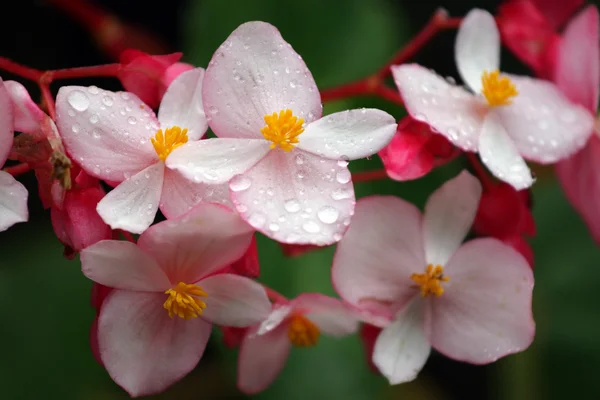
(116,137)
(471,302)
(153,328)
(299,323)
(286,166)
(506,118)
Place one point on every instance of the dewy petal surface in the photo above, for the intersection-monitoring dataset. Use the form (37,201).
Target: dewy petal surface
(256,73)
(107,133)
(13,201)
(477,47)
(331,315)
(6,123)
(451,110)
(296,197)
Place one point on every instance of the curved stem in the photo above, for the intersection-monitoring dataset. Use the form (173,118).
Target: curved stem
(18,169)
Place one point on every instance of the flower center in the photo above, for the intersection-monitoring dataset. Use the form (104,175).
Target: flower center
(283,129)
(184,301)
(498,90)
(303,332)
(431,280)
(165,143)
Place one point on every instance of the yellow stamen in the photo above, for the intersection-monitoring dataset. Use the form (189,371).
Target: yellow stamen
(282,129)
(498,90)
(431,280)
(183,301)
(303,332)
(172,139)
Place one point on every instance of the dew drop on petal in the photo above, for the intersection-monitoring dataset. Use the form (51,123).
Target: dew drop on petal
(94,119)
(78,100)
(343,176)
(311,227)
(132,120)
(273,227)
(107,100)
(292,205)
(75,128)
(93,89)
(328,215)
(257,220)
(239,183)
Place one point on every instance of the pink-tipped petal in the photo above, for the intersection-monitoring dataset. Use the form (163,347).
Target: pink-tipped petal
(261,359)
(144,350)
(449,214)
(13,201)
(194,245)
(107,133)
(7,118)
(477,47)
(452,111)
(256,73)
(123,265)
(182,104)
(500,154)
(28,116)
(132,205)
(485,311)
(216,161)
(331,315)
(296,197)
(349,135)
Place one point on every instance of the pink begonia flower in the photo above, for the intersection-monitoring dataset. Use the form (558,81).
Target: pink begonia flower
(578,75)
(506,118)
(289,165)
(470,302)
(153,328)
(299,322)
(116,137)
(13,195)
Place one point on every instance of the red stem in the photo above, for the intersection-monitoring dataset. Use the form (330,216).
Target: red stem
(389,94)
(83,72)
(356,88)
(368,176)
(18,169)
(479,169)
(275,296)
(20,70)
(48,99)
(80,10)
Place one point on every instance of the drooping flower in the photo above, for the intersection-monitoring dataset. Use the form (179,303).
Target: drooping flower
(299,323)
(286,165)
(508,117)
(471,302)
(116,137)
(153,328)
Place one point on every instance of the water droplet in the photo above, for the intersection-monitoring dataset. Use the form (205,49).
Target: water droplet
(124,95)
(421,117)
(257,220)
(341,194)
(239,183)
(311,227)
(75,128)
(328,215)
(71,113)
(94,118)
(343,161)
(213,110)
(78,100)
(107,100)
(293,83)
(292,205)
(132,120)
(300,159)
(273,227)
(343,176)
(93,89)
(96,134)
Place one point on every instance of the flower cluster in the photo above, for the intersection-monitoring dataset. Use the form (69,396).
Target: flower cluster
(106,165)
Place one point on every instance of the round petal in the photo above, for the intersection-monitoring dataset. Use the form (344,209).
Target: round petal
(256,73)
(216,161)
(349,134)
(132,205)
(194,245)
(7,119)
(544,125)
(296,197)
(28,116)
(449,214)
(453,112)
(123,265)
(477,47)
(107,133)
(485,311)
(144,350)
(13,201)
(500,154)
(262,357)
(182,104)
(331,315)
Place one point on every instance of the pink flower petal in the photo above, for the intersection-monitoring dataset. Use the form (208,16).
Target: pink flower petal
(107,133)
(544,125)
(296,197)
(7,118)
(376,257)
(132,205)
(477,47)
(198,243)
(262,357)
(451,110)
(216,161)
(13,201)
(28,116)
(348,135)
(182,104)
(278,314)
(331,315)
(558,12)
(485,311)
(122,265)
(144,350)
(500,154)
(256,73)
(449,214)
(401,349)
(234,300)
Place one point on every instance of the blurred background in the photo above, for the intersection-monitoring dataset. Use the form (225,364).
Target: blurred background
(46,313)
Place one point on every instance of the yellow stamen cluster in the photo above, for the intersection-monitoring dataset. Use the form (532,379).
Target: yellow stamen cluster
(302,332)
(498,90)
(183,301)
(431,280)
(283,129)
(165,143)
